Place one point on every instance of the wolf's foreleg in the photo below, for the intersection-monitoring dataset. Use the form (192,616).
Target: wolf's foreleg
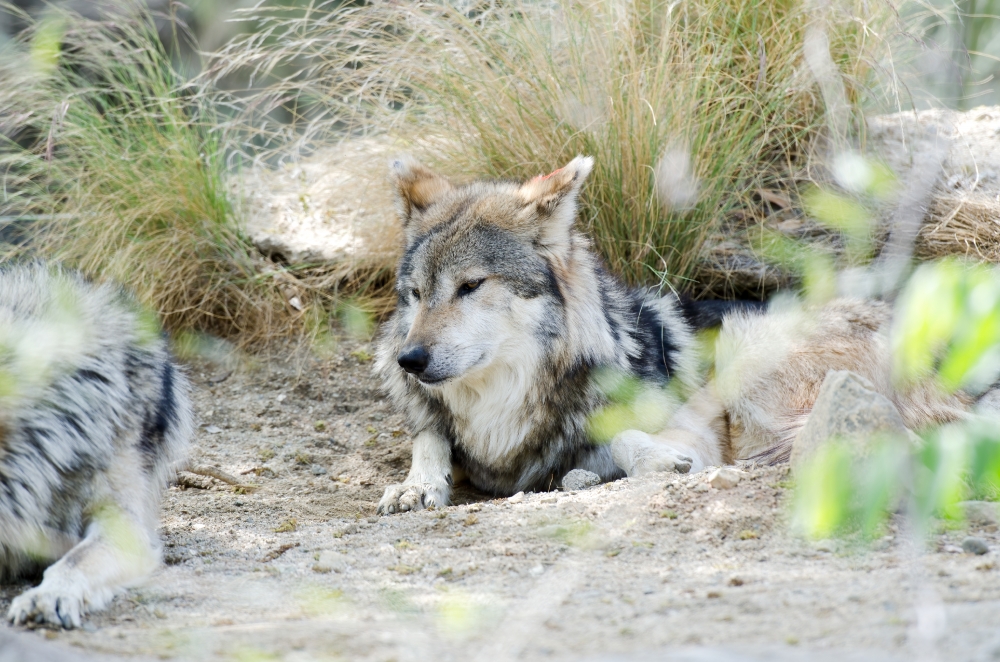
(429,481)
(117,550)
(695,439)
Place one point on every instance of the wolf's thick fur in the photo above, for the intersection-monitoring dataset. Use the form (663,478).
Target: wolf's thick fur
(93,417)
(506,320)
(513,314)
(769,369)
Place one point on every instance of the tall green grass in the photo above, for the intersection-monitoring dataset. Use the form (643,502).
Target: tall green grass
(115,162)
(649,88)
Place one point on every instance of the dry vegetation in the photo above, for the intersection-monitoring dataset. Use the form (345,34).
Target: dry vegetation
(651,89)
(690,110)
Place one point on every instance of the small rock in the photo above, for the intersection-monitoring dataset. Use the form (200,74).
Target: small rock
(824,545)
(517,498)
(330,562)
(537,570)
(701,487)
(724,478)
(580,479)
(951,549)
(377,416)
(213,429)
(317,470)
(980,513)
(345,531)
(973,545)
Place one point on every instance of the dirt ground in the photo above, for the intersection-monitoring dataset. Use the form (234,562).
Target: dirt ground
(663,567)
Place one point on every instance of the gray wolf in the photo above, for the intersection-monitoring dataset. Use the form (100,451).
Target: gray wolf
(505,320)
(507,327)
(94,416)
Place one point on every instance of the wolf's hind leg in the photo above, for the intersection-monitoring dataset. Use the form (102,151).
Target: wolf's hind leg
(429,481)
(696,438)
(117,550)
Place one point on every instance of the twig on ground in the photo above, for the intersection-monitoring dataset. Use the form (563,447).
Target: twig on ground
(212,472)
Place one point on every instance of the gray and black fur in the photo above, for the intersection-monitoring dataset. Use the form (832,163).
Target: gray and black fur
(94,416)
(515,247)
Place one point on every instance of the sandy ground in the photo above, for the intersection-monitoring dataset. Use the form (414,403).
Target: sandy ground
(663,567)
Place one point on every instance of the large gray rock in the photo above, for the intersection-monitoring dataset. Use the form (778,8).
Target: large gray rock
(981,513)
(847,408)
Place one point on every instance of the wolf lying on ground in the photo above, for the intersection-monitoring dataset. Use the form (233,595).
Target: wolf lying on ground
(506,321)
(93,417)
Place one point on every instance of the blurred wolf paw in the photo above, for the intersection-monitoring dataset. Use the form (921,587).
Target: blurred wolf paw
(637,454)
(48,605)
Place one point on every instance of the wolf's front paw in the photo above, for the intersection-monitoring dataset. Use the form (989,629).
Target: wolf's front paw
(638,454)
(46,606)
(412,496)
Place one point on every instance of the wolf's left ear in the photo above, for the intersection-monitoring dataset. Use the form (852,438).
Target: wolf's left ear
(417,187)
(553,197)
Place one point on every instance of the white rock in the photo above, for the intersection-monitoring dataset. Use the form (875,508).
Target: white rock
(330,562)
(517,498)
(724,478)
(981,513)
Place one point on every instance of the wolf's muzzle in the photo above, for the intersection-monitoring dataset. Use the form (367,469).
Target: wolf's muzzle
(414,360)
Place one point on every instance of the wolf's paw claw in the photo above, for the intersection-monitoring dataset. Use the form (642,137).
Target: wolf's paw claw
(40,606)
(404,497)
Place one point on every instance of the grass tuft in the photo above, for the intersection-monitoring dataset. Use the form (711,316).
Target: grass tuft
(688,108)
(113,163)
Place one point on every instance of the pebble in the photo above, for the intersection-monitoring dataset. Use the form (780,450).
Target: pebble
(701,487)
(330,562)
(724,478)
(317,470)
(537,570)
(213,429)
(973,545)
(580,479)
(517,498)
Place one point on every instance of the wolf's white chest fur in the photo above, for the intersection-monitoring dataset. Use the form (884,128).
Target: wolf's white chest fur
(491,410)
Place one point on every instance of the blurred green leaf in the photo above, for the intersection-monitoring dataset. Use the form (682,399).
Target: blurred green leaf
(46,45)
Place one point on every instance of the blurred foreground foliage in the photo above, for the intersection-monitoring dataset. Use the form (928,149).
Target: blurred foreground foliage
(945,331)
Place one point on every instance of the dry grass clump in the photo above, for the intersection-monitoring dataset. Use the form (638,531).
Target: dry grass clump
(117,164)
(966,224)
(687,107)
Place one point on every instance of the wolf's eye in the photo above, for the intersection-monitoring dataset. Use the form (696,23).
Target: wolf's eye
(469,286)
(416,293)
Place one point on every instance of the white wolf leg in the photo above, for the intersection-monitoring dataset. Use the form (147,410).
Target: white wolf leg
(693,441)
(116,551)
(429,481)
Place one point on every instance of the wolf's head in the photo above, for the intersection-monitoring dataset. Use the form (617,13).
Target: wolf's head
(479,283)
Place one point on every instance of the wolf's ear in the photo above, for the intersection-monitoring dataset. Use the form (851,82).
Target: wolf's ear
(552,199)
(417,187)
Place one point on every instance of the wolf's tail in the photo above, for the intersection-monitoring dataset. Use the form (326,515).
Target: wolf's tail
(710,313)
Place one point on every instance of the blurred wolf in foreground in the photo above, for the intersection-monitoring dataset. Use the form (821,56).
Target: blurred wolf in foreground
(507,324)
(93,417)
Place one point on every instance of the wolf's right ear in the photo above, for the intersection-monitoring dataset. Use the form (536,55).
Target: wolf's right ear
(417,187)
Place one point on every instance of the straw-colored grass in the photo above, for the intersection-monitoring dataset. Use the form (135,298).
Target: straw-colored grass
(111,164)
(688,107)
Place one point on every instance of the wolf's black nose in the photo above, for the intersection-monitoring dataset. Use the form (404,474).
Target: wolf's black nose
(414,360)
